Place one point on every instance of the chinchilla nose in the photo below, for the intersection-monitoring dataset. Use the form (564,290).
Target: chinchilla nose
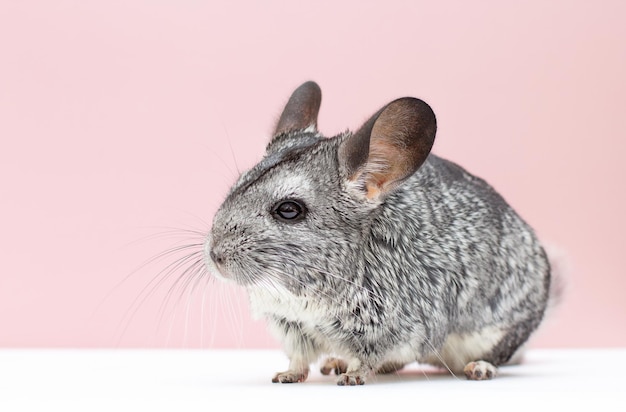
(216,256)
(213,251)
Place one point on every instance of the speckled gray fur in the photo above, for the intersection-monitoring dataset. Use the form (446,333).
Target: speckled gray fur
(440,269)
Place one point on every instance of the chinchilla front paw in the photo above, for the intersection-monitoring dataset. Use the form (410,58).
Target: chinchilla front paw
(290,377)
(336,365)
(351,379)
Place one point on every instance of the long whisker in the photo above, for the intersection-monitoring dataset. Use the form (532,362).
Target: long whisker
(230,145)
(290,256)
(169,233)
(150,288)
(438,355)
(141,298)
(196,265)
(157,281)
(192,274)
(207,282)
(371,293)
(197,276)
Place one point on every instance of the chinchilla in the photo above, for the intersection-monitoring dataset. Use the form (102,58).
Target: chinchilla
(367,248)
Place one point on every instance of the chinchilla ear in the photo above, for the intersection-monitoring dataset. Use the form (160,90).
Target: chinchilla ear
(389,147)
(301,110)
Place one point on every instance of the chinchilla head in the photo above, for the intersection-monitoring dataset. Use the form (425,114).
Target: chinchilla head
(299,218)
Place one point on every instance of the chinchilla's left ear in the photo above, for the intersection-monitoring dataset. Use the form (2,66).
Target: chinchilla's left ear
(389,147)
(301,110)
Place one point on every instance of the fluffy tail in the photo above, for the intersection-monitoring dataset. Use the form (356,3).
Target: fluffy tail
(559,267)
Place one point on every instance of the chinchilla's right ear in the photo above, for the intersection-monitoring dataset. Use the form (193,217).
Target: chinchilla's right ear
(388,148)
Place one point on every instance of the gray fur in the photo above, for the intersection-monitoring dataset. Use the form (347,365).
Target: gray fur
(438,262)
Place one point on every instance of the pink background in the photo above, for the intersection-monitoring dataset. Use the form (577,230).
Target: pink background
(121,119)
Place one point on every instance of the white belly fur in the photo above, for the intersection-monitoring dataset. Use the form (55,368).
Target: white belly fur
(460,349)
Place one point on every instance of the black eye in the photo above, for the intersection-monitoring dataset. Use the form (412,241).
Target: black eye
(289,210)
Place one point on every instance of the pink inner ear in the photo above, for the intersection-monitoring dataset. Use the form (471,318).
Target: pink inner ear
(388,162)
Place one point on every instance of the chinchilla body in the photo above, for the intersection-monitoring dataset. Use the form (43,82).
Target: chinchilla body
(367,247)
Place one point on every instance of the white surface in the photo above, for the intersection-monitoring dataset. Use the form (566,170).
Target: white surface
(193,380)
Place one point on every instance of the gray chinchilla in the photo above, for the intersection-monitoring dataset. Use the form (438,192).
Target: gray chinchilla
(366,247)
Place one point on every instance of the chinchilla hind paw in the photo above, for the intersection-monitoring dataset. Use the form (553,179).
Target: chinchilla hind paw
(479,371)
